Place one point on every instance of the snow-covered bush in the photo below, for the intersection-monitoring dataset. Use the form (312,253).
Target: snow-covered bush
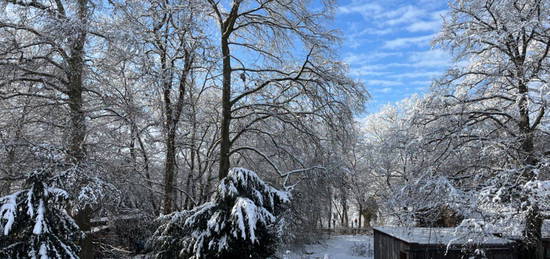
(33,223)
(241,221)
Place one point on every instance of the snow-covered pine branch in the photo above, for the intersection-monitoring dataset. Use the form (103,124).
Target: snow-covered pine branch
(242,220)
(33,223)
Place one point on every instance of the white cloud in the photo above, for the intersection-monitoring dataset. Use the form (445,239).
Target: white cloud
(371,64)
(368,58)
(364,9)
(424,74)
(370,70)
(388,20)
(430,58)
(405,42)
(385,90)
(361,72)
(403,15)
(375,31)
(388,45)
(376,82)
(421,83)
(432,23)
(424,26)
(433,58)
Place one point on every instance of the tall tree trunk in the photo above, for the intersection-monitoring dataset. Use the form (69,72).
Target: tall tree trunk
(188,202)
(156,209)
(77,129)
(172,117)
(533,220)
(169,171)
(360,215)
(203,196)
(226,111)
(330,225)
(11,156)
(10,165)
(526,132)
(533,234)
(83,220)
(226,28)
(344,202)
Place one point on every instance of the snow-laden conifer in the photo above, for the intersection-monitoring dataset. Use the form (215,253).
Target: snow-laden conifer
(242,220)
(33,223)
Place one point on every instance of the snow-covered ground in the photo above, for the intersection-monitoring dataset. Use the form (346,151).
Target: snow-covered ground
(336,247)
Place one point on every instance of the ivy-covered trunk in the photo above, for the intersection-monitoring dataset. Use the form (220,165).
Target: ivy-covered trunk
(77,127)
(225,144)
(533,219)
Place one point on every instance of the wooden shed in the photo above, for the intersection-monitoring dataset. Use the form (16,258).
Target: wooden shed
(431,243)
(546,238)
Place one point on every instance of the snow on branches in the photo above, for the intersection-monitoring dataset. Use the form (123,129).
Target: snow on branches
(81,179)
(242,220)
(33,223)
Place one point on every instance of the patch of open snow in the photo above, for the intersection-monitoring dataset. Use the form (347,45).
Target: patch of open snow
(336,247)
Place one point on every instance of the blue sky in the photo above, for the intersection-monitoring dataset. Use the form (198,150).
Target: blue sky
(387,44)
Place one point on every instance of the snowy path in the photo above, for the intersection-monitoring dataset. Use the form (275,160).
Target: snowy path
(337,247)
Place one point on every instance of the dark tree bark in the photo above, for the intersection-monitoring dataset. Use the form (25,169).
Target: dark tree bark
(533,221)
(533,233)
(344,203)
(172,118)
(77,129)
(360,215)
(226,27)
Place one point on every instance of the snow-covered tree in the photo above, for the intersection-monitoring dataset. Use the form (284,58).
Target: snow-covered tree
(504,87)
(170,41)
(46,47)
(396,155)
(241,221)
(487,117)
(34,223)
(307,86)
